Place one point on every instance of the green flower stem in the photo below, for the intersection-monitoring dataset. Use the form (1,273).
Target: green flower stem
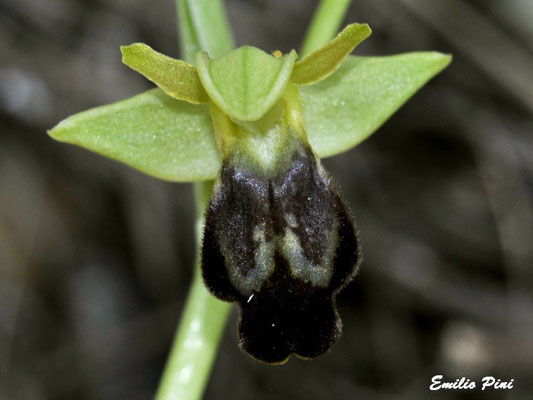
(201,327)
(202,26)
(325,24)
(195,346)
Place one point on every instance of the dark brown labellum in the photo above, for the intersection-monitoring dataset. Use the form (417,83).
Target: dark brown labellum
(282,245)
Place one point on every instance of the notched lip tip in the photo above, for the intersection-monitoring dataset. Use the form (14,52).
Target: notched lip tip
(286,359)
(266,362)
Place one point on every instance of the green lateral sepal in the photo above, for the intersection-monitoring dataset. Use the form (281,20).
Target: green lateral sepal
(177,78)
(323,62)
(350,105)
(151,132)
(246,82)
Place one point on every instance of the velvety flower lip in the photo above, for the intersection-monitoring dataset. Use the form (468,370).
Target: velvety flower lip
(282,246)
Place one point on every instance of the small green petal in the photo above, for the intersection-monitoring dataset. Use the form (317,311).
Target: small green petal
(177,78)
(324,61)
(351,104)
(246,82)
(152,132)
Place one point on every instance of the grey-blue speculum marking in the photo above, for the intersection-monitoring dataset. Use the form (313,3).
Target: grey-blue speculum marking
(278,239)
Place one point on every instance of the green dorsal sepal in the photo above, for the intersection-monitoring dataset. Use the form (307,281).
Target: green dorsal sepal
(324,61)
(177,78)
(246,82)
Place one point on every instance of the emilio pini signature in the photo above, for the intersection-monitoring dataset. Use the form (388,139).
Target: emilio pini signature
(463,383)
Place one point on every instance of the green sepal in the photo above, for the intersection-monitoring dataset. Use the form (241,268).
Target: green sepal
(246,82)
(176,77)
(350,105)
(323,62)
(175,141)
(152,132)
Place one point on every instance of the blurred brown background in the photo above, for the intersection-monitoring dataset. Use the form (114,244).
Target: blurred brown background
(95,258)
